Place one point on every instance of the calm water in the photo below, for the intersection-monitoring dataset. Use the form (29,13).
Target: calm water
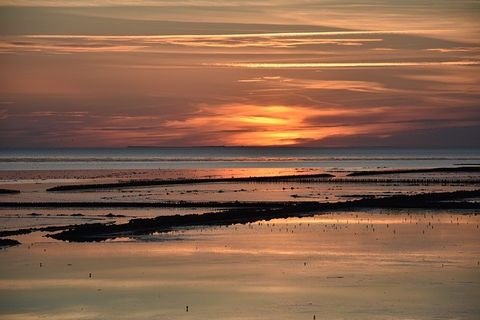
(383,264)
(231,157)
(392,265)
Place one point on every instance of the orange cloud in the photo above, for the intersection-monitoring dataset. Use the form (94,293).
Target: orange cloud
(260,125)
(294,65)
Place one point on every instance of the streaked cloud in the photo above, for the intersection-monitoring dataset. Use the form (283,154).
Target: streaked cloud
(312,84)
(275,65)
(13,47)
(92,44)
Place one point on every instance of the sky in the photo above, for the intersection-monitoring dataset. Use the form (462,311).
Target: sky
(320,73)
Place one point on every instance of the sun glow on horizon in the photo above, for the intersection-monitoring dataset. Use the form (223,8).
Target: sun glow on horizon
(259,125)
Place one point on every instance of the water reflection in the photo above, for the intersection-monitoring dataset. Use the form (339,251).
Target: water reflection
(385,264)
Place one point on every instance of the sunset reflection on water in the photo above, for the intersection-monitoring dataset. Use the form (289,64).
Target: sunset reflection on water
(408,261)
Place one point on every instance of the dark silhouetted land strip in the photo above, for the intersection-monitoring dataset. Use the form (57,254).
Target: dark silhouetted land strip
(100,232)
(166,204)
(9,233)
(426,170)
(413,181)
(8,243)
(149,183)
(8,191)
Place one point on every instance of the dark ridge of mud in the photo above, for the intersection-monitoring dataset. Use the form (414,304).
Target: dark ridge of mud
(329,180)
(426,170)
(9,191)
(9,233)
(163,204)
(149,183)
(101,232)
(8,243)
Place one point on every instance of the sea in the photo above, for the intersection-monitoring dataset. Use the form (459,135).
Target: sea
(231,157)
(361,263)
